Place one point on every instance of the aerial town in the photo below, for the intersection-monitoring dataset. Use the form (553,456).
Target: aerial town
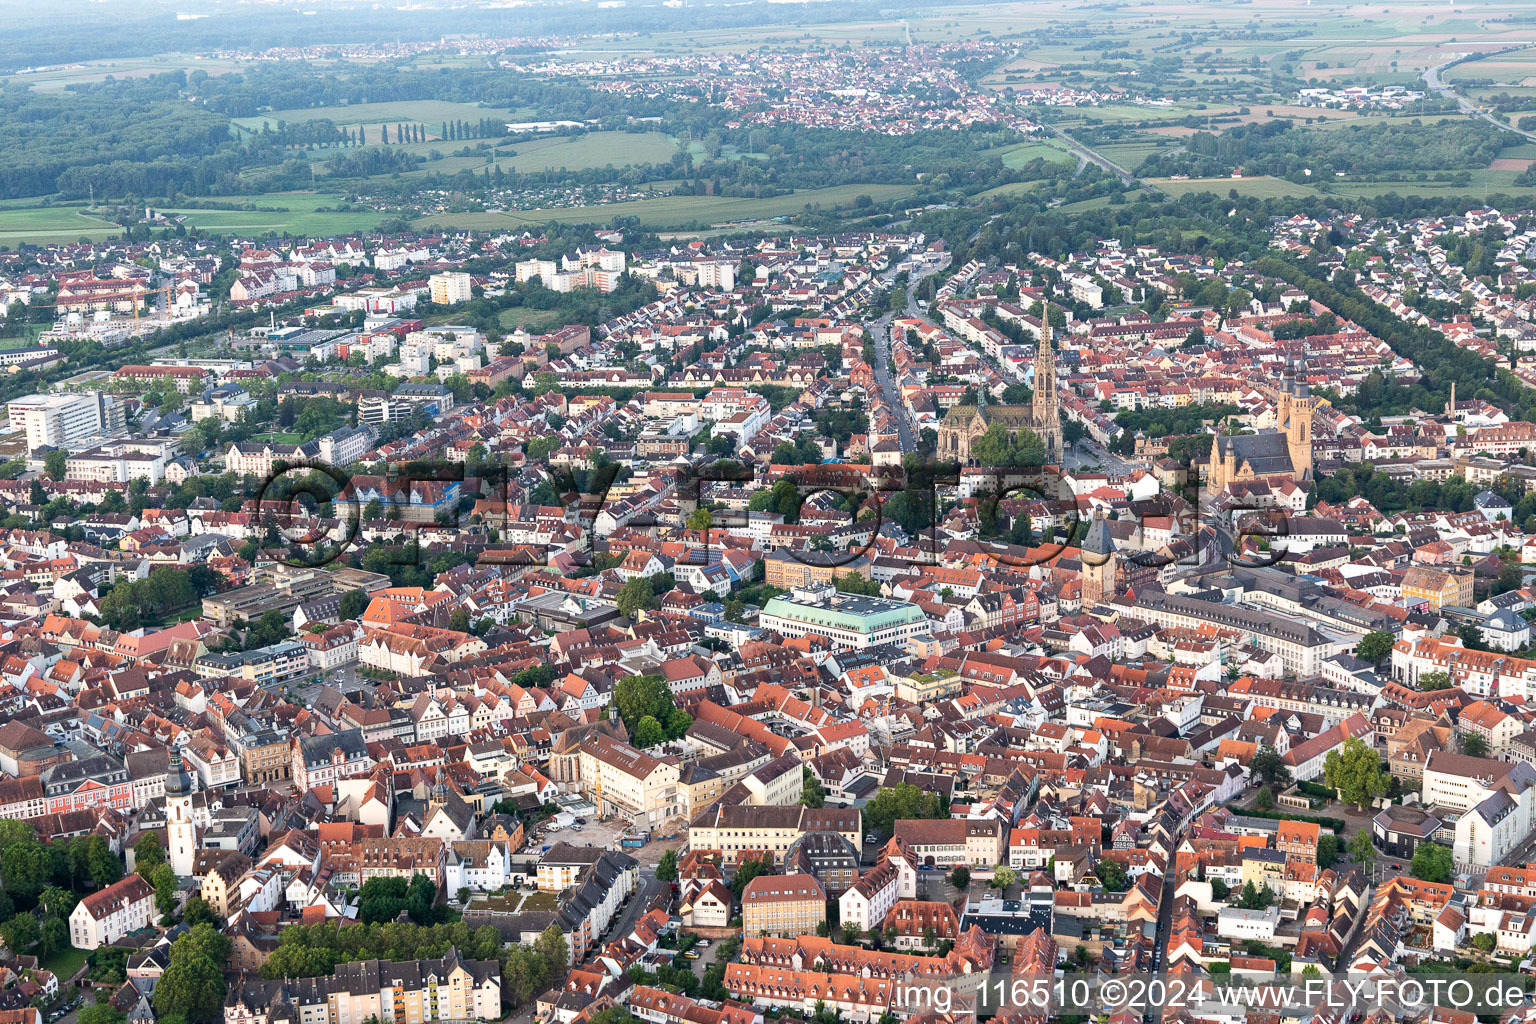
(1013,588)
(866,634)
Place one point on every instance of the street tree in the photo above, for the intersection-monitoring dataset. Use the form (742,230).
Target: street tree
(1356,771)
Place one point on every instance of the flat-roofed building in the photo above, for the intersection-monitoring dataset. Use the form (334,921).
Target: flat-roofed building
(848,621)
(53,421)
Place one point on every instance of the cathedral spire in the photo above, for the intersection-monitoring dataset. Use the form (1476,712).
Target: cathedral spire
(1046,415)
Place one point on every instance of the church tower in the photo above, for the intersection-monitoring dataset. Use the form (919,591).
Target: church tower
(180,832)
(1046,414)
(1099,563)
(1296,407)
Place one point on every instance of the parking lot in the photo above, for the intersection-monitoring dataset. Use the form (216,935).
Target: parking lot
(595,832)
(606,834)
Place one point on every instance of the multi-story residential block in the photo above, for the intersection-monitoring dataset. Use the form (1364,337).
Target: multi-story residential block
(401,858)
(868,900)
(1436,588)
(477,864)
(398,992)
(562,864)
(448,289)
(785,905)
(736,829)
(53,421)
(22,798)
(625,781)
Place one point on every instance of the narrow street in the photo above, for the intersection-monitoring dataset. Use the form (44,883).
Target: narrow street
(1160,940)
(645,892)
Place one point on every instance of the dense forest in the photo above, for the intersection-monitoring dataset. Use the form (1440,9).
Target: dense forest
(1301,154)
(55,142)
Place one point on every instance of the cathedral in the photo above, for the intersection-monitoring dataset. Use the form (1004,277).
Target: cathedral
(1285,451)
(963,424)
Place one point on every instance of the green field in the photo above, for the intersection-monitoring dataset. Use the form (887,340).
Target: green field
(538,321)
(599,149)
(297,213)
(431,113)
(285,212)
(1262,188)
(1476,189)
(572,153)
(290,212)
(672,211)
(1118,112)
(87,72)
(1130,154)
(1018,155)
(26,341)
(1014,188)
(52,224)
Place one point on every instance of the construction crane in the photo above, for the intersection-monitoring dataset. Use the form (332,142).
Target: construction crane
(162,290)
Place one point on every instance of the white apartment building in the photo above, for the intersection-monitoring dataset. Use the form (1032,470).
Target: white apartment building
(1460,783)
(478,864)
(449,288)
(345,446)
(115,464)
(1489,831)
(104,917)
(55,420)
(1242,925)
(527,270)
(868,900)
(623,780)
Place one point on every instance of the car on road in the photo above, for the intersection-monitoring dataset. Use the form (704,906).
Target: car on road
(702,944)
(689,955)
(581,821)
